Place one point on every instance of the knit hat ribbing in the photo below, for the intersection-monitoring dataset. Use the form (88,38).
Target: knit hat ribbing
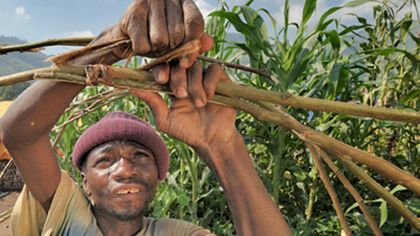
(122,126)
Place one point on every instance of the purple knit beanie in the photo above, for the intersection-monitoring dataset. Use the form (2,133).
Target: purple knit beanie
(122,126)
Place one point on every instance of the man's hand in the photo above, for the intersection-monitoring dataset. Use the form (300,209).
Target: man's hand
(191,119)
(156,27)
(210,130)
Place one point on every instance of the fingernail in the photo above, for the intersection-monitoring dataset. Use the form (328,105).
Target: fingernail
(184,62)
(161,77)
(199,103)
(181,92)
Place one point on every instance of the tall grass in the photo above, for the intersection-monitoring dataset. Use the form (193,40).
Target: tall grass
(373,61)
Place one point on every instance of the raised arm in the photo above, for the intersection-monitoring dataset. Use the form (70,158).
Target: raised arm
(212,133)
(25,128)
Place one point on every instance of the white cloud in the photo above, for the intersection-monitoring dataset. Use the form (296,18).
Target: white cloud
(83,33)
(20,13)
(205,7)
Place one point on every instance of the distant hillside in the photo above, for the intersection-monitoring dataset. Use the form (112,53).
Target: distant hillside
(16,62)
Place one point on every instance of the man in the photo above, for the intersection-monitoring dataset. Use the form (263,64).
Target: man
(121,158)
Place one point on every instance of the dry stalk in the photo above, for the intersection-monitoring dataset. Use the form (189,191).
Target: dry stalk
(76,115)
(262,73)
(127,78)
(30,47)
(9,163)
(346,183)
(244,92)
(91,108)
(327,143)
(381,192)
(178,53)
(6,215)
(91,51)
(331,192)
(253,94)
(285,121)
(76,74)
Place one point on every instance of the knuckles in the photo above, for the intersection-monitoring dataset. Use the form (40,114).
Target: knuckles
(148,36)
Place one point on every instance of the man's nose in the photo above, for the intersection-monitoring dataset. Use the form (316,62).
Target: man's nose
(124,169)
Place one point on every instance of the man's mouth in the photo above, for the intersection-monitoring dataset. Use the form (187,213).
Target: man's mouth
(131,190)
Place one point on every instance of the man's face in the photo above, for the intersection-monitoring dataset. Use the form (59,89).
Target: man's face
(121,179)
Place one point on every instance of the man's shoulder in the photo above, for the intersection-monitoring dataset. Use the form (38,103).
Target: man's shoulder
(170,226)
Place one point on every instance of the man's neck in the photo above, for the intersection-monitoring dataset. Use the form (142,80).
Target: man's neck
(111,226)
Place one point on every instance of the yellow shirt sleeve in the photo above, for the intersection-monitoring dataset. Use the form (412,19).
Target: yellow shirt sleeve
(69,212)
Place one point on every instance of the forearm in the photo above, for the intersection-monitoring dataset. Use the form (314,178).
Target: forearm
(253,210)
(34,113)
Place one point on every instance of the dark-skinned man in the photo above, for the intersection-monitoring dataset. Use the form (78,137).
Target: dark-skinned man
(121,158)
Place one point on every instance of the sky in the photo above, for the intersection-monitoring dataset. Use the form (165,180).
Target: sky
(42,19)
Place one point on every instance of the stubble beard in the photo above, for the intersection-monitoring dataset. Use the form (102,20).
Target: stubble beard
(122,215)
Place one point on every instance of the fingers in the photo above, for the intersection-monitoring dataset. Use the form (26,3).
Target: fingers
(213,75)
(193,21)
(190,83)
(159,36)
(175,22)
(206,43)
(178,81)
(135,24)
(161,73)
(194,28)
(157,105)
(195,86)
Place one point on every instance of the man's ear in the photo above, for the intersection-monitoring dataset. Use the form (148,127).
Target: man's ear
(85,185)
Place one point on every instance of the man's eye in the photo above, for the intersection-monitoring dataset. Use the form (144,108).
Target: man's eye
(139,155)
(104,161)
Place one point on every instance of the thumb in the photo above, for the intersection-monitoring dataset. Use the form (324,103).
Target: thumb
(156,103)
(206,44)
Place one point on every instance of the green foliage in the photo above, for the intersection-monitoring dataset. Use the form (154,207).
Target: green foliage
(373,62)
